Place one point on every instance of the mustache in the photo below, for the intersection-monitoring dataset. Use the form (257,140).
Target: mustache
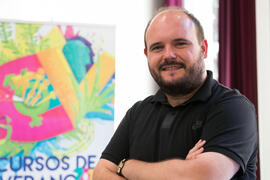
(172,62)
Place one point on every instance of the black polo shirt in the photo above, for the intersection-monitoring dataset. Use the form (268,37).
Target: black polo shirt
(152,130)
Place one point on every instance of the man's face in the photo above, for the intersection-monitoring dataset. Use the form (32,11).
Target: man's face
(175,57)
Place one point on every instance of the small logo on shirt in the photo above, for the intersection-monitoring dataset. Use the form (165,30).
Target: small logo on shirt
(197,124)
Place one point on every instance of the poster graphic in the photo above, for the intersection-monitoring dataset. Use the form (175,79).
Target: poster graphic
(56,99)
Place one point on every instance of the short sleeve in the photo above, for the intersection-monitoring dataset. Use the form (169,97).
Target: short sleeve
(231,129)
(118,147)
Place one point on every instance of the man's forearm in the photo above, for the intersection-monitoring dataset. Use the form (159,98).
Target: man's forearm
(208,166)
(105,175)
(139,170)
(161,170)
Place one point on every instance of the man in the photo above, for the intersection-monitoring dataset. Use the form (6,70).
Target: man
(157,137)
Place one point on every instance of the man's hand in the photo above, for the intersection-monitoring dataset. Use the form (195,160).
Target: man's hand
(196,150)
(105,170)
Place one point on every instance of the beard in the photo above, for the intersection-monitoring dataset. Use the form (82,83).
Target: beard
(192,79)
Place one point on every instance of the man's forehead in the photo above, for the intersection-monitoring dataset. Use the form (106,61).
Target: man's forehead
(177,17)
(168,15)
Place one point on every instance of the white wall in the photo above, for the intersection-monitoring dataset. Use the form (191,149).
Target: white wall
(263,65)
(206,12)
(133,81)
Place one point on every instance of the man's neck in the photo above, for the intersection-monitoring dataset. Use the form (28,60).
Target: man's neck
(177,100)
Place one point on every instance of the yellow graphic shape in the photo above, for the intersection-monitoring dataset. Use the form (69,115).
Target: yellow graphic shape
(59,73)
(38,77)
(107,68)
(55,38)
(90,173)
(23,81)
(42,86)
(52,95)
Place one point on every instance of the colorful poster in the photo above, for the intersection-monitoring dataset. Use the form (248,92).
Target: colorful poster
(56,99)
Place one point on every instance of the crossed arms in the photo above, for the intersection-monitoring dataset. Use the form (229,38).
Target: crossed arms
(197,165)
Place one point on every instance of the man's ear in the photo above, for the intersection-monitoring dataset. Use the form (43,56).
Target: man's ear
(145,51)
(204,48)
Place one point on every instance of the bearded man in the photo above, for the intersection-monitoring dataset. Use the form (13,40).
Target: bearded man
(193,127)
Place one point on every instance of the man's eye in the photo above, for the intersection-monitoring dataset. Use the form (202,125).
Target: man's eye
(180,44)
(156,48)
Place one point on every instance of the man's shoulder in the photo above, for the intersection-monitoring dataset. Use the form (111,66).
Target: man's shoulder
(142,103)
(140,108)
(223,95)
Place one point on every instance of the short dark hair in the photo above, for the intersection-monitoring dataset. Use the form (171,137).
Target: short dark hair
(199,28)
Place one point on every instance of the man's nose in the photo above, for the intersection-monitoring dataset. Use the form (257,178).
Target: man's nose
(169,53)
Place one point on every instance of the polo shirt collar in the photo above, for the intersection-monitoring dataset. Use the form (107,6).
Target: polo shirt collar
(201,95)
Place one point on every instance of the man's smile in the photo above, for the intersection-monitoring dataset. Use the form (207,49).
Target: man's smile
(171,66)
